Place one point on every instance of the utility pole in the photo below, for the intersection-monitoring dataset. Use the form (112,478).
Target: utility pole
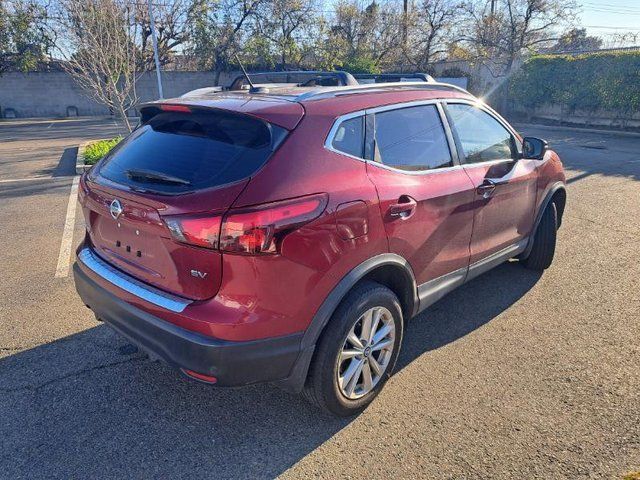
(152,23)
(405,20)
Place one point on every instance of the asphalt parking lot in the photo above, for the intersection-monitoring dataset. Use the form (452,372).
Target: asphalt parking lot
(514,375)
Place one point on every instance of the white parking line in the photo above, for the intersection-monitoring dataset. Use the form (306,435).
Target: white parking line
(67,234)
(31,179)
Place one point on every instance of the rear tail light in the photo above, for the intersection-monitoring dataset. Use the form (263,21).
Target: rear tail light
(202,231)
(261,229)
(249,231)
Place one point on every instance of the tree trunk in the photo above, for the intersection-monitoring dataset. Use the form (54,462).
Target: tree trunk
(121,112)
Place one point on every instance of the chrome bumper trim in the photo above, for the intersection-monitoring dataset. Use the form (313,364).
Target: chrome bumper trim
(129,284)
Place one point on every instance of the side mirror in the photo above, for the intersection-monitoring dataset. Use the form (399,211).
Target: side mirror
(534,148)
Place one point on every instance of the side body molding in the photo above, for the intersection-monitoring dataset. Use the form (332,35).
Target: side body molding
(295,381)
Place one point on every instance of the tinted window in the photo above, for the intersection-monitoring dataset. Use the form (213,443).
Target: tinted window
(201,150)
(349,137)
(482,137)
(412,138)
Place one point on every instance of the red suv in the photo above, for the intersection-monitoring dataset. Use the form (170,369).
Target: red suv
(287,234)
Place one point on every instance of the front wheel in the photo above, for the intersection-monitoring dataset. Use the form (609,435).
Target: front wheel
(357,352)
(544,241)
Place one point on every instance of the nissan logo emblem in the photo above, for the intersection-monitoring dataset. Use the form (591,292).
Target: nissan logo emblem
(115,209)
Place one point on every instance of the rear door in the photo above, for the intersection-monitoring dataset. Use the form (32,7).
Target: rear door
(425,198)
(153,206)
(505,186)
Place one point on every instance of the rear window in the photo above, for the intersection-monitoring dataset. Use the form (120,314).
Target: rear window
(412,138)
(176,152)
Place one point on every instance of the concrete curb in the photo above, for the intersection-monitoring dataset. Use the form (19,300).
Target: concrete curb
(578,129)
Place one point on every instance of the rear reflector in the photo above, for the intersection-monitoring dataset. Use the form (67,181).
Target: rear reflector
(199,376)
(175,108)
(248,231)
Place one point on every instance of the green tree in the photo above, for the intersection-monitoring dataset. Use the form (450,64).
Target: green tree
(373,32)
(25,39)
(218,31)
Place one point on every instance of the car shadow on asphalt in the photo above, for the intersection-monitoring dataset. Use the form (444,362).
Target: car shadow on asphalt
(466,309)
(85,406)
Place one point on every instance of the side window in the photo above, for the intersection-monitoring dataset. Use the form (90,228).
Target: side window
(481,136)
(349,137)
(412,138)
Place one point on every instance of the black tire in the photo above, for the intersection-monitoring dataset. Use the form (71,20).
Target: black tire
(321,388)
(544,241)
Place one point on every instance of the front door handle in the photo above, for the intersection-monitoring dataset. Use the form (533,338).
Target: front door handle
(486,189)
(405,207)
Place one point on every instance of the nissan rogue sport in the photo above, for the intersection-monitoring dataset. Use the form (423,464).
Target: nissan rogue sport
(287,235)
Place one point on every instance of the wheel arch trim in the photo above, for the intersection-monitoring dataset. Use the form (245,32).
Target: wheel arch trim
(295,381)
(555,188)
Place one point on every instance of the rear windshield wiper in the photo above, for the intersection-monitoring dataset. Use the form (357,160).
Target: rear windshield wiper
(155,177)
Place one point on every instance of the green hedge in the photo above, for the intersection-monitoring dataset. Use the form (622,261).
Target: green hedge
(607,81)
(95,151)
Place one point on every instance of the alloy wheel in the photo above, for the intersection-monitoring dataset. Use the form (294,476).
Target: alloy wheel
(366,353)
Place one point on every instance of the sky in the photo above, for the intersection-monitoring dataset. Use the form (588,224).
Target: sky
(610,16)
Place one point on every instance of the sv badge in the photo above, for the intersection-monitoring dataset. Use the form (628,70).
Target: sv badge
(198,274)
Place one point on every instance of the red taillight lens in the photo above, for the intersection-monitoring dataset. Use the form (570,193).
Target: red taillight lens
(255,230)
(202,231)
(259,230)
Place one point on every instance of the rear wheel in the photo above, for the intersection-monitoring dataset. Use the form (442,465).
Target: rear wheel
(357,351)
(544,241)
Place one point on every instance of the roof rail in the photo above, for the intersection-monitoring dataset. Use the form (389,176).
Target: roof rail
(363,88)
(393,77)
(316,76)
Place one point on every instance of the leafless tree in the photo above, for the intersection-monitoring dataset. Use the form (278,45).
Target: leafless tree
(104,60)
(283,22)
(373,32)
(515,27)
(172,27)
(431,31)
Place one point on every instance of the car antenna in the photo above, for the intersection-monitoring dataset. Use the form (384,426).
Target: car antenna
(252,87)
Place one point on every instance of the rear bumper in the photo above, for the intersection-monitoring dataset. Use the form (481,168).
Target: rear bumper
(232,363)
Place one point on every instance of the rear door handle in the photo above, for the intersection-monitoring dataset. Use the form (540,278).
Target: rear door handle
(486,189)
(405,207)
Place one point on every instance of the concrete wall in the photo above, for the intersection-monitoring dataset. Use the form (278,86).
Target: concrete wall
(557,114)
(44,94)
(49,94)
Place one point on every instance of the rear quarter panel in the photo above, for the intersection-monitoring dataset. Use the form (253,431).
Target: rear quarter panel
(280,294)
